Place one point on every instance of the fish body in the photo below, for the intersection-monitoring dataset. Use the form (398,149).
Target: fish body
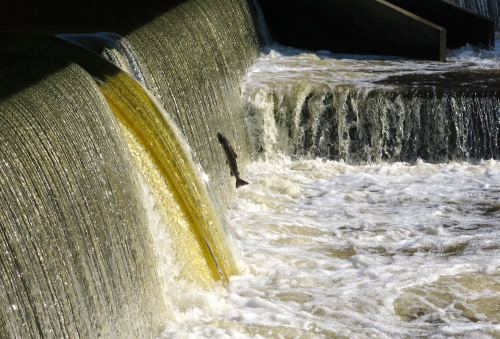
(231,160)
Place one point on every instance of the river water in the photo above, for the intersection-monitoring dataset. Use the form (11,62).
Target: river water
(332,249)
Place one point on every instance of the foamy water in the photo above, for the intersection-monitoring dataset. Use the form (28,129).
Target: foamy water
(380,251)
(292,67)
(369,251)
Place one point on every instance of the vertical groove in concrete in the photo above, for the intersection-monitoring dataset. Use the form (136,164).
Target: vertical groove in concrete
(462,26)
(420,29)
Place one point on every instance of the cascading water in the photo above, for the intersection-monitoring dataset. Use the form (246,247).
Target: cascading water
(373,126)
(190,48)
(104,240)
(75,243)
(365,111)
(111,228)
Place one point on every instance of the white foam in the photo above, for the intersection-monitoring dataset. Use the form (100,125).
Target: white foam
(280,64)
(356,241)
(374,251)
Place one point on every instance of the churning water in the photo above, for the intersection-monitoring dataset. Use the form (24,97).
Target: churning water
(369,211)
(343,248)
(374,251)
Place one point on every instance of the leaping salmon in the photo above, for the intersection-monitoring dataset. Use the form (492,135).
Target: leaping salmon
(231,160)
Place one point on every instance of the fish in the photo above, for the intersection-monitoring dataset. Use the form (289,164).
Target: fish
(231,160)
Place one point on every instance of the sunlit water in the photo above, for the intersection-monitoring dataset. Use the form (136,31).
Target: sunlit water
(285,65)
(331,250)
(380,251)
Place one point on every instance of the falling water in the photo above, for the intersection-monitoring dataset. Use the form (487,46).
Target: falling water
(368,111)
(112,228)
(193,59)
(108,217)
(75,243)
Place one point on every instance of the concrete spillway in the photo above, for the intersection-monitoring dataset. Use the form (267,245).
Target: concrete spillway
(408,28)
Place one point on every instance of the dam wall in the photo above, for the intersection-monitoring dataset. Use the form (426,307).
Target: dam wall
(462,26)
(407,28)
(487,8)
(113,184)
(354,26)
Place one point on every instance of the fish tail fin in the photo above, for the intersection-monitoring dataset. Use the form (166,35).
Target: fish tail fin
(240,182)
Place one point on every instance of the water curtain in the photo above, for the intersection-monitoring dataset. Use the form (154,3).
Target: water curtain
(81,258)
(192,61)
(361,125)
(74,238)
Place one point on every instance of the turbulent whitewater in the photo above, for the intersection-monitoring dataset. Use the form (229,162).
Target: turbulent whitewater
(389,249)
(339,251)
(371,210)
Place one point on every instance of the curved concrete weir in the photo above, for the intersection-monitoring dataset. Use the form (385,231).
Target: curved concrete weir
(159,135)
(84,231)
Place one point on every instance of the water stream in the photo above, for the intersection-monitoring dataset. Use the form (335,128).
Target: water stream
(377,237)
(371,212)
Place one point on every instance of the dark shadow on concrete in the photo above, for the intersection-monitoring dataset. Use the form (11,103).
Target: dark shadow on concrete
(46,54)
(19,72)
(80,16)
(28,29)
(354,26)
(462,25)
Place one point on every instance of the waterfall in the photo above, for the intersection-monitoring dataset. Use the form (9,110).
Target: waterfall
(193,59)
(75,244)
(373,125)
(114,186)
(110,174)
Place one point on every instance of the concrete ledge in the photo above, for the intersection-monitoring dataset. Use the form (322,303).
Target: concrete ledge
(354,26)
(462,25)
